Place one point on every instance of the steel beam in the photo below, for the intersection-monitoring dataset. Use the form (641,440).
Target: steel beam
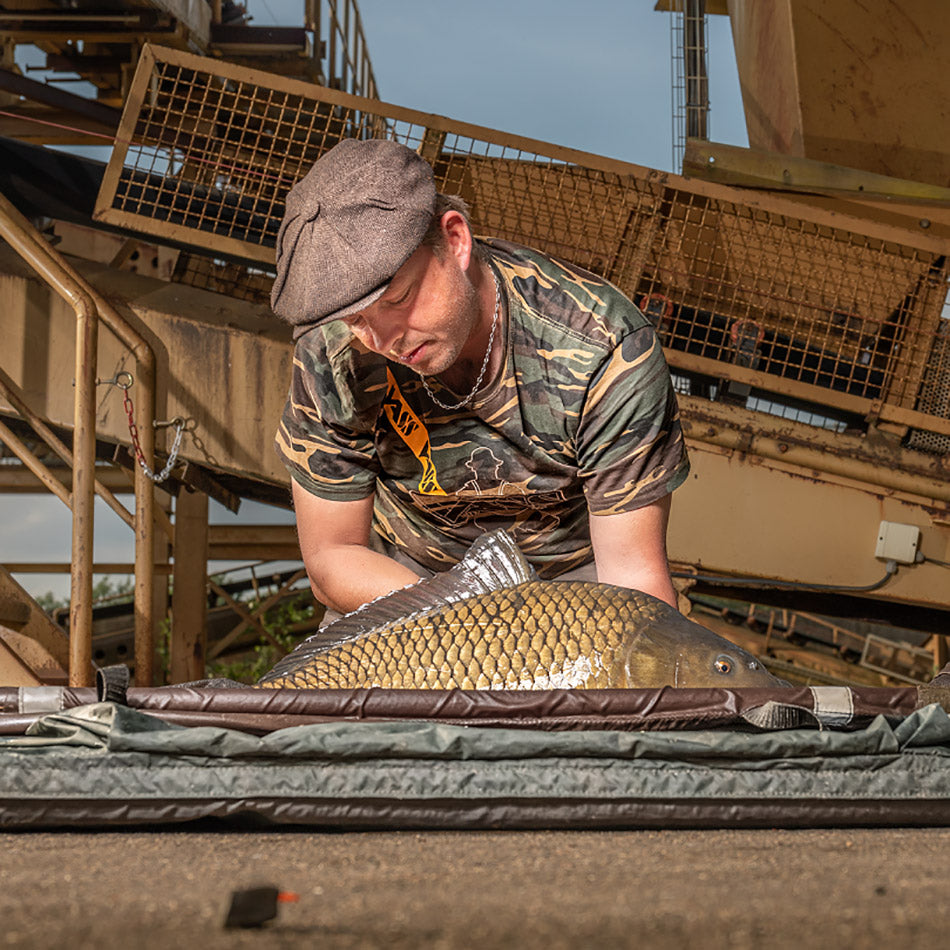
(757,168)
(104,116)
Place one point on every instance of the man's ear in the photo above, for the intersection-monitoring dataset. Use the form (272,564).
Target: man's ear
(457,237)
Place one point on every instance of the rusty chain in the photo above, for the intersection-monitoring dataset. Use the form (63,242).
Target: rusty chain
(179,424)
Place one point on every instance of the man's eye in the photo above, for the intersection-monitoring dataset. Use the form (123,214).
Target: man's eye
(396,301)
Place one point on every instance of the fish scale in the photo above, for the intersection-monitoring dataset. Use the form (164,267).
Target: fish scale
(515,639)
(490,623)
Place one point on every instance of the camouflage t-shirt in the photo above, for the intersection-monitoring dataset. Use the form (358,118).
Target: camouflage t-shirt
(582,417)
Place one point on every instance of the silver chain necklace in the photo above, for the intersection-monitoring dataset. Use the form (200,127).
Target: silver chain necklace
(481,372)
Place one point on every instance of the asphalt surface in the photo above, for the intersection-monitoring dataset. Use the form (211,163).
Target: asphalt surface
(657,889)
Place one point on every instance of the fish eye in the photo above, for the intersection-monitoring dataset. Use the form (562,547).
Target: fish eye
(722,664)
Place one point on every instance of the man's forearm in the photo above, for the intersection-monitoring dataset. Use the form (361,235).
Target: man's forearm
(630,549)
(345,576)
(655,581)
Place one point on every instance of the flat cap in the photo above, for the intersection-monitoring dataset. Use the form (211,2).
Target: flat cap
(350,223)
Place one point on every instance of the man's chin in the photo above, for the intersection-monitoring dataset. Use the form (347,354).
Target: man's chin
(432,365)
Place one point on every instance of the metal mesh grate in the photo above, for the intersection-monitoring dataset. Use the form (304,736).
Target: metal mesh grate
(785,297)
(935,394)
(232,278)
(743,287)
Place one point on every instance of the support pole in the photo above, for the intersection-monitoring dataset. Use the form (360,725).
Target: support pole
(188,646)
(83,499)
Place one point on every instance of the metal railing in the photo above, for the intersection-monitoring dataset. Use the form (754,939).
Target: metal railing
(90,308)
(340,38)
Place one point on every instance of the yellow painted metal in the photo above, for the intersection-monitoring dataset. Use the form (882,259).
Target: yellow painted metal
(743,515)
(13,670)
(864,85)
(873,461)
(253,542)
(103,49)
(712,7)
(732,165)
(222,365)
(833,283)
(250,617)
(38,125)
(9,392)
(84,492)
(17,232)
(849,307)
(64,567)
(808,392)
(23,481)
(231,414)
(24,662)
(811,666)
(39,470)
(195,15)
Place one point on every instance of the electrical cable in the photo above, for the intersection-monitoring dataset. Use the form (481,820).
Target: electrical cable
(922,559)
(763,582)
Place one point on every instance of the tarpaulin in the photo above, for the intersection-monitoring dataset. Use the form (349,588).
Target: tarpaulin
(104,764)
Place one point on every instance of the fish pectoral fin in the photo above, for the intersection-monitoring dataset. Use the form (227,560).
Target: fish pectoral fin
(492,563)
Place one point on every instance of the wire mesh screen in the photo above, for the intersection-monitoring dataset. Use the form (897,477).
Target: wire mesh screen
(232,278)
(736,288)
(789,297)
(935,394)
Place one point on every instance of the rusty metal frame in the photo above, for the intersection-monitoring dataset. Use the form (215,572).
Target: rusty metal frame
(925,659)
(90,307)
(859,299)
(812,449)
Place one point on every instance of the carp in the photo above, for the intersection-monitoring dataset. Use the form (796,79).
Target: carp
(490,623)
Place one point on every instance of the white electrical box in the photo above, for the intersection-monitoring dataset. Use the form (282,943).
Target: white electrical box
(897,542)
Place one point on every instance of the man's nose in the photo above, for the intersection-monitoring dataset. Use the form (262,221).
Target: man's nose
(385,334)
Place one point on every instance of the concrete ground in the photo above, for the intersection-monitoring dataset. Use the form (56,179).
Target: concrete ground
(525,890)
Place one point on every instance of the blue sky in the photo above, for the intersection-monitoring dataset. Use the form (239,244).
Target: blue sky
(594,76)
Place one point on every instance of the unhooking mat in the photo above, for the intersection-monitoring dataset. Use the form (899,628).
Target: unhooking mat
(110,765)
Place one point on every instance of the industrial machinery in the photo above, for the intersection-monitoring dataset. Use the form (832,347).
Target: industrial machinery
(798,287)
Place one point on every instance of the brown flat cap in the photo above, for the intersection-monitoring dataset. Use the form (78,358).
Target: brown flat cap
(350,223)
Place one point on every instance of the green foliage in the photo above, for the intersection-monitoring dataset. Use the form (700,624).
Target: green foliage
(163,649)
(107,589)
(103,589)
(50,601)
(279,622)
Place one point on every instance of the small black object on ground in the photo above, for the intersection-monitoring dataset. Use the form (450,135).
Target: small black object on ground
(254,906)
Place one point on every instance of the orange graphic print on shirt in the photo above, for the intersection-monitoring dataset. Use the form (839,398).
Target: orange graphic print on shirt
(413,433)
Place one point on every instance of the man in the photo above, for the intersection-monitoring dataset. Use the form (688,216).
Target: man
(445,386)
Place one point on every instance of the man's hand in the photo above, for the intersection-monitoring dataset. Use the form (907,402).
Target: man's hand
(334,542)
(630,549)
